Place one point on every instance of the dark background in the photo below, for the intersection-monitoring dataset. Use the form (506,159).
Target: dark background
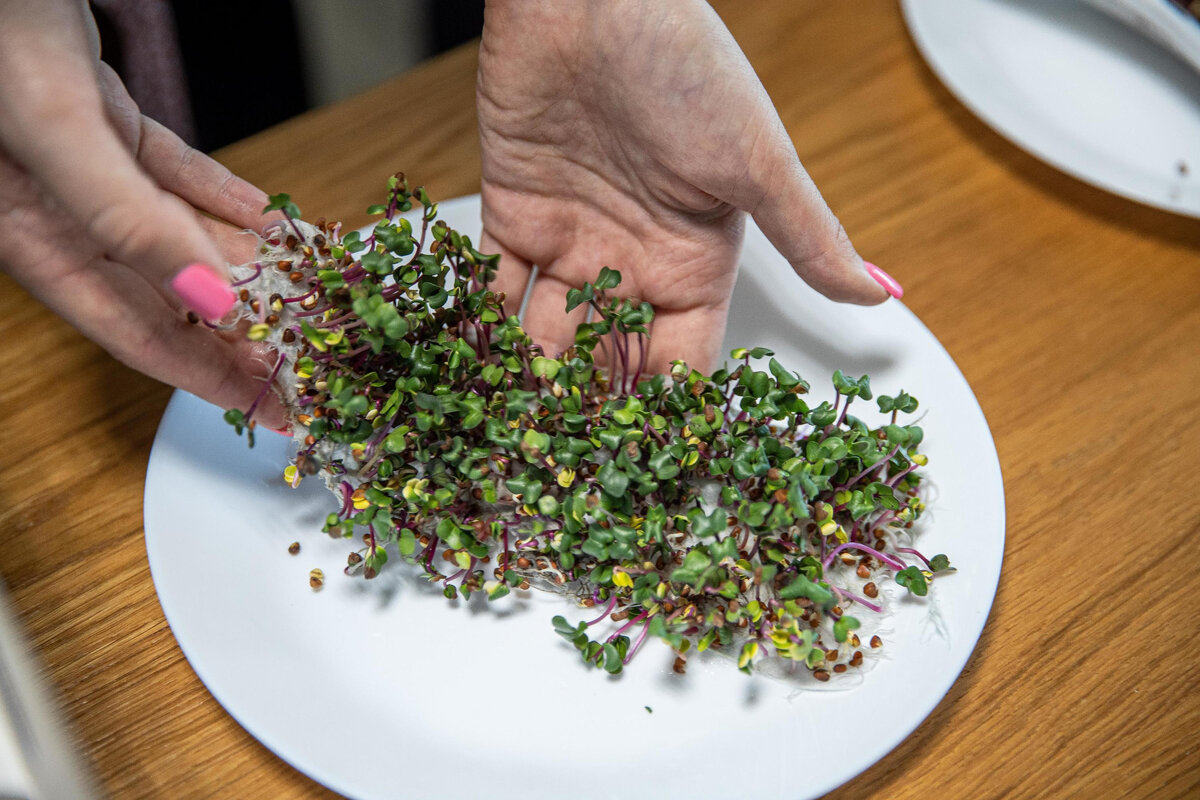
(247,66)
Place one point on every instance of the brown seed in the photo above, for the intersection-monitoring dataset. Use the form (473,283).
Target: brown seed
(839,668)
(524,563)
(831,655)
(780,496)
(524,584)
(862,571)
(814,622)
(856,659)
(316,578)
(308,251)
(310,440)
(448,555)
(284,266)
(876,642)
(847,559)
(369,573)
(854,640)
(291,242)
(296,277)
(353,559)
(871,590)
(294,548)
(244,295)
(837,610)
(821,675)
(680,665)
(289,335)
(255,305)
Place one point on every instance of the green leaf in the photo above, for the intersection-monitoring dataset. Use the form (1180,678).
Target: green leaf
(842,628)
(282,202)
(912,579)
(608,279)
(612,659)
(705,526)
(939,562)
(803,587)
(545,367)
(612,480)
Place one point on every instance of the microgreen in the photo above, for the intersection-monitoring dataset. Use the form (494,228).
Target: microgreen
(721,511)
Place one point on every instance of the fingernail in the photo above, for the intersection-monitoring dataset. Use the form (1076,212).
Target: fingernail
(282,431)
(886,281)
(203,291)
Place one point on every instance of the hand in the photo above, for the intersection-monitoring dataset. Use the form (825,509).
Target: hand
(98,211)
(634,135)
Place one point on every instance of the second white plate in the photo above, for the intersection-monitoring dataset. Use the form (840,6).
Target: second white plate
(385,689)
(1073,87)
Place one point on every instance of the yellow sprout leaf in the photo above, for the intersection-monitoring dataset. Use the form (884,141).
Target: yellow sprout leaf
(621,578)
(747,655)
(292,475)
(566,477)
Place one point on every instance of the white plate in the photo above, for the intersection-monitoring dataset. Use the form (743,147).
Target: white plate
(383,689)
(1075,88)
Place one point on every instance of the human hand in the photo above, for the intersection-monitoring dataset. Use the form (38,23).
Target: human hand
(98,212)
(635,135)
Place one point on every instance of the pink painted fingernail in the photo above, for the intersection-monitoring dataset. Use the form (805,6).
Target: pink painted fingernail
(203,291)
(886,281)
(281,431)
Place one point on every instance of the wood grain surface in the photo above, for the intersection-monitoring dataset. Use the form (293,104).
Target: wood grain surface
(1075,315)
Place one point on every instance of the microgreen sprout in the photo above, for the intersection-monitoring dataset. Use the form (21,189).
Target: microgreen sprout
(716,511)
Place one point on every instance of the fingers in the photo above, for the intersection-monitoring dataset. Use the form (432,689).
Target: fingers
(117,308)
(53,123)
(693,336)
(512,276)
(114,307)
(796,219)
(178,168)
(546,321)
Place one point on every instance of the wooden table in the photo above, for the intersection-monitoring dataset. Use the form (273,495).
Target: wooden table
(1074,315)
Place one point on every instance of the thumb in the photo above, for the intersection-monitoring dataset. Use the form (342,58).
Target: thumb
(797,220)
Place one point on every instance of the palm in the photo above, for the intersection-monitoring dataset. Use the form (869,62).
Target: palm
(592,159)
(635,135)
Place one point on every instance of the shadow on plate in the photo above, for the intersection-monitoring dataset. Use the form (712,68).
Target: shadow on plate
(1112,209)
(759,316)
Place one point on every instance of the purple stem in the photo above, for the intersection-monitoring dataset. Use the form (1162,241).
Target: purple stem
(884,557)
(608,610)
(257,272)
(916,553)
(845,593)
(637,645)
(266,387)
(628,625)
